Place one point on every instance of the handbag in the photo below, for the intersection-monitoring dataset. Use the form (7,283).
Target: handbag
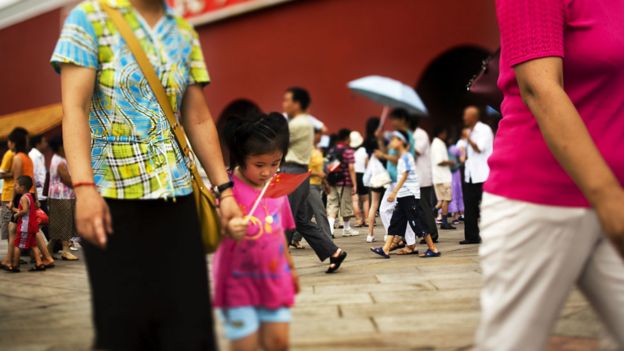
(376,175)
(209,222)
(484,84)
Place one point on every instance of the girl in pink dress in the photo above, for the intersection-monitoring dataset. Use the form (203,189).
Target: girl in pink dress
(255,278)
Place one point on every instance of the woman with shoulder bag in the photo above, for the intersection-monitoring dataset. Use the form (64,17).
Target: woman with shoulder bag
(132,178)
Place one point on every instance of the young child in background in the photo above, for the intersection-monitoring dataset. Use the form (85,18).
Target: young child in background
(27,225)
(407,194)
(255,278)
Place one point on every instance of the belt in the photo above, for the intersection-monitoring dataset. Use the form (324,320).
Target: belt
(293,164)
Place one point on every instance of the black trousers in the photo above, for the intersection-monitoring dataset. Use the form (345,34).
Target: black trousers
(427,211)
(149,287)
(322,245)
(407,211)
(473,193)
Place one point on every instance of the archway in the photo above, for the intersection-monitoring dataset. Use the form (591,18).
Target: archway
(442,86)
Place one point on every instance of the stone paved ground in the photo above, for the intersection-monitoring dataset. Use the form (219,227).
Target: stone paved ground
(405,303)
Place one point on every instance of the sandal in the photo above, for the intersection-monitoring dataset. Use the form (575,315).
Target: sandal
(429,254)
(380,252)
(406,251)
(5,267)
(49,265)
(297,245)
(14,270)
(335,262)
(401,244)
(39,268)
(66,256)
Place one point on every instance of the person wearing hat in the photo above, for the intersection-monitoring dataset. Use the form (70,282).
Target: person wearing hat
(406,195)
(361,161)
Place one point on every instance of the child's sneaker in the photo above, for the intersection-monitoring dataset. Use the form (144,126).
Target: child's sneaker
(350,232)
(370,238)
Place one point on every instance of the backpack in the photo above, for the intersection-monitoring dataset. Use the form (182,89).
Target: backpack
(335,166)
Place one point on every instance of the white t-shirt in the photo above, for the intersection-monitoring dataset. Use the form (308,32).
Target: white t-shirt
(39,170)
(439,153)
(411,187)
(423,157)
(317,123)
(360,160)
(477,168)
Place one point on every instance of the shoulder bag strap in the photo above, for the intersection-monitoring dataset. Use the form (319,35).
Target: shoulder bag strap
(156,85)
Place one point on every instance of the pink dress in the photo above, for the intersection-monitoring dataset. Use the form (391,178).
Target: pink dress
(254,271)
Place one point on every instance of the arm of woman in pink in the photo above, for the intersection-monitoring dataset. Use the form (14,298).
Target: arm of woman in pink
(541,87)
(93,219)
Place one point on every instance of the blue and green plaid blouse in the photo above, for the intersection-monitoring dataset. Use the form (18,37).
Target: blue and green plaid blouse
(134,153)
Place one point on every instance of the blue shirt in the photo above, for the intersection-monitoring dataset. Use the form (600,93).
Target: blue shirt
(133,150)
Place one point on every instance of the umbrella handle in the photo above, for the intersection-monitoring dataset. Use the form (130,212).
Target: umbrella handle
(384,115)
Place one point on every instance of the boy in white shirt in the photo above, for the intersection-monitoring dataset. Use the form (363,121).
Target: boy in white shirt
(441,173)
(407,194)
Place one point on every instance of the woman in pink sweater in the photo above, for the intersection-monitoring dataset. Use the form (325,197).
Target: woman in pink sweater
(552,213)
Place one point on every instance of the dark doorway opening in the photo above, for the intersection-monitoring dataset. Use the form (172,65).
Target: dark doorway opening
(443,87)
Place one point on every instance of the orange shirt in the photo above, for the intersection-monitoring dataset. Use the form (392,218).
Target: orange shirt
(27,168)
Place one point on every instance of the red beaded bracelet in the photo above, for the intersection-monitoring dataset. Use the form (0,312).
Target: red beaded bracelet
(82,184)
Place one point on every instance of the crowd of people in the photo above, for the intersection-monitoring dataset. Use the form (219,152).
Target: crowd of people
(355,179)
(37,202)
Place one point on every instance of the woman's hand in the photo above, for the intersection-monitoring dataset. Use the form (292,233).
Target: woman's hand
(609,210)
(93,219)
(233,223)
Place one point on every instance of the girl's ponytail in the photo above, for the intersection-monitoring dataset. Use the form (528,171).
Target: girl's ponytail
(255,134)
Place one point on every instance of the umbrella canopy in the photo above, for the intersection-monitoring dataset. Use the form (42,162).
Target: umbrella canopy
(388,92)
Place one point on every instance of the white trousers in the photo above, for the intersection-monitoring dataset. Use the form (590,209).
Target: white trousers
(385,213)
(532,256)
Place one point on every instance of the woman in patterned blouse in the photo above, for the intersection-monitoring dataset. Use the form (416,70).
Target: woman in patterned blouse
(117,137)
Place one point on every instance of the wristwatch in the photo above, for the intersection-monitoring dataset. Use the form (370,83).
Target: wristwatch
(219,189)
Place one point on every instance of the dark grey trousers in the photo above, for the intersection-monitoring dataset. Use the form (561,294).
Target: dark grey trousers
(426,205)
(322,245)
(315,201)
(473,193)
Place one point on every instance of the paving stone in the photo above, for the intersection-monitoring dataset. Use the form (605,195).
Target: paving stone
(372,304)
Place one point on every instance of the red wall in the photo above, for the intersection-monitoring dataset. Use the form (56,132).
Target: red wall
(323,44)
(27,79)
(317,44)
